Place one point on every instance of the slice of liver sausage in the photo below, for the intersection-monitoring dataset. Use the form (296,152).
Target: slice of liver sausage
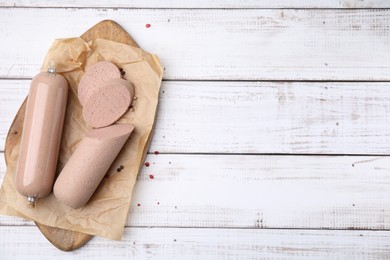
(105,106)
(89,163)
(93,78)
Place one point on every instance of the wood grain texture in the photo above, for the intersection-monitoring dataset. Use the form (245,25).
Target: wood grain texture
(235,206)
(257,117)
(242,44)
(242,191)
(171,243)
(201,4)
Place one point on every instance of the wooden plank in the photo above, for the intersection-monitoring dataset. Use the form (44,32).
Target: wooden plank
(172,243)
(242,44)
(201,4)
(237,191)
(257,117)
(12,94)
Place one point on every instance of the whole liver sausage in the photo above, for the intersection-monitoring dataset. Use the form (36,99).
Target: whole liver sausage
(41,137)
(93,78)
(107,104)
(89,163)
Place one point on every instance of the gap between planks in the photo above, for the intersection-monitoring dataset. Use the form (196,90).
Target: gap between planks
(201,4)
(245,81)
(29,223)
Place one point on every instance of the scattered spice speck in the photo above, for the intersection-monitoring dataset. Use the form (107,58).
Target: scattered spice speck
(156,152)
(151,176)
(147,164)
(147,25)
(158,203)
(138,204)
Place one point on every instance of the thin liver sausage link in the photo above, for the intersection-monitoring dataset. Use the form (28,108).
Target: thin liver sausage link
(41,138)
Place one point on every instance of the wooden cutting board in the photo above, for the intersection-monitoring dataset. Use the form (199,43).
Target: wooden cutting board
(67,240)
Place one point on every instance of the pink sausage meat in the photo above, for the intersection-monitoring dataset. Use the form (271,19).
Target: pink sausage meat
(41,137)
(108,103)
(89,163)
(93,78)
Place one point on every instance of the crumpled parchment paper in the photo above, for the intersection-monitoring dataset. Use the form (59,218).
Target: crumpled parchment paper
(106,213)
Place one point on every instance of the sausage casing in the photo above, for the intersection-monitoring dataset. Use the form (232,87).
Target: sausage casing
(41,137)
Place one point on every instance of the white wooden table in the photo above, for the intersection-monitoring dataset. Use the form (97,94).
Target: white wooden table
(273,126)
